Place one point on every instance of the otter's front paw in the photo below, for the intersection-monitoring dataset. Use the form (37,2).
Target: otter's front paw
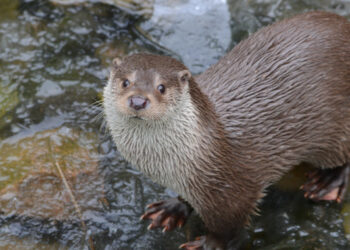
(168,214)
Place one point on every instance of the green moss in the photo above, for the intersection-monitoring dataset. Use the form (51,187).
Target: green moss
(138,7)
(73,150)
(346,215)
(8,101)
(8,9)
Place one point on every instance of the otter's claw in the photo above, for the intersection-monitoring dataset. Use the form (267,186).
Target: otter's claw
(198,244)
(208,242)
(327,184)
(168,214)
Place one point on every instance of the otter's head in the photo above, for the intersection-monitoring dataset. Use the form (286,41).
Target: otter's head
(147,87)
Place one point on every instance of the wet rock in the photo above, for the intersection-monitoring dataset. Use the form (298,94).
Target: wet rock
(21,155)
(248,16)
(346,215)
(52,188)
(11,242)
(198,32)
(292,180)
(136,7)
(44,195)
(108,51)
(8,8)
(8,101)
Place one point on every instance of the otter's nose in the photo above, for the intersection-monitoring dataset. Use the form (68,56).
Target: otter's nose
(138,102)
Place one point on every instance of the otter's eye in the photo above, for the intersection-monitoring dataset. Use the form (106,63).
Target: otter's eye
(161,88)
(126,83)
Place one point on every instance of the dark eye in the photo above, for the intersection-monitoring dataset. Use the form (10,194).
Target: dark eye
(161,88)
(126,83)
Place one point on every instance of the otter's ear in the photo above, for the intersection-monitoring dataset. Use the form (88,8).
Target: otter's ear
(184,76)
(116,62)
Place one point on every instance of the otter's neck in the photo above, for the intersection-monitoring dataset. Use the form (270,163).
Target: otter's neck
(163,149)
(222,169)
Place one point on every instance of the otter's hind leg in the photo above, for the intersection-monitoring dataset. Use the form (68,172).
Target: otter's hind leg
(327,184)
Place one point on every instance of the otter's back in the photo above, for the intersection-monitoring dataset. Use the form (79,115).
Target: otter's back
(285,91)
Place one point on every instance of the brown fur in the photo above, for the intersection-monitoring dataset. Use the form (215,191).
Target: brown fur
(289,93)
(279,98)
(283,96)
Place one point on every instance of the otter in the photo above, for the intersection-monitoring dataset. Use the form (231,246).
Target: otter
(278,98)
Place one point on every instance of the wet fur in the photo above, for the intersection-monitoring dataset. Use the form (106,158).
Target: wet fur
(279,98)
(289,99)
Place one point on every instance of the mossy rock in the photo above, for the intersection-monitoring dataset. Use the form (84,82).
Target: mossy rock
(8,101)
(73,150)
(346,215)
(137,7)
(8,9)
(34,186)
(292,180)
(45,195)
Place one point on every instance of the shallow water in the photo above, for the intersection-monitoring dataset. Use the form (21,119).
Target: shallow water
(54,59)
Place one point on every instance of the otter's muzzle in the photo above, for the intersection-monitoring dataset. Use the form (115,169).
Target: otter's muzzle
(138,102)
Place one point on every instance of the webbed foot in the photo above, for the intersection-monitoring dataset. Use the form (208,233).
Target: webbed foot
(327,184)
(167,214)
